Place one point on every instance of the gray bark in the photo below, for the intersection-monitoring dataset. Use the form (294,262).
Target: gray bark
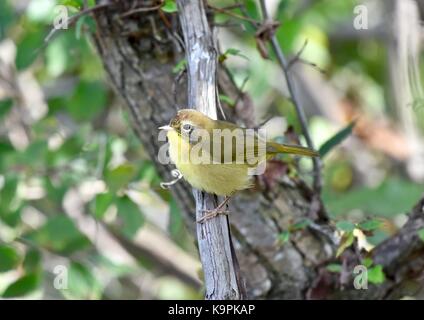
(220,266)
(139,53)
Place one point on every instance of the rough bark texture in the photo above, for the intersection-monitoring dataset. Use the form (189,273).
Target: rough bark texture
(219,261)
(139,53)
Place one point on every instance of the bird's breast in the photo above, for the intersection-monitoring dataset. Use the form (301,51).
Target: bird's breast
(218,178)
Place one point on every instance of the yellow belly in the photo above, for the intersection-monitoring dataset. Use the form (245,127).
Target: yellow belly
(220,179)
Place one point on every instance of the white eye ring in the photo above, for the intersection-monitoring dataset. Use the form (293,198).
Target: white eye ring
(187,127)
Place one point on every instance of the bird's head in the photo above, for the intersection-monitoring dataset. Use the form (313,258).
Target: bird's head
(188,120)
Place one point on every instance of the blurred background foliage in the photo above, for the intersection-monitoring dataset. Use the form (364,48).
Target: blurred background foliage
(77,190)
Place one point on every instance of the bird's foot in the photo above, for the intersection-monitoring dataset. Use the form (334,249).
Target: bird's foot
(209,214)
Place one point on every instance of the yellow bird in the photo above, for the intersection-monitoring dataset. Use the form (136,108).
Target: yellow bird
(220,157)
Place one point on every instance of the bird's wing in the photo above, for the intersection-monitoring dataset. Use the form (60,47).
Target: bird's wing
(233,144)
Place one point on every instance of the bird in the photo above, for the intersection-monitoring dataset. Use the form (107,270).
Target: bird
(220,157)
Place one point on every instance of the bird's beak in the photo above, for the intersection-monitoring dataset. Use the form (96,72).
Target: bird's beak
(167,128)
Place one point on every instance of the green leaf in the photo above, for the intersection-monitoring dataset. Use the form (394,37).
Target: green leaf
(376,275)
(101,203)
(8,192)
(7,15)
(22,286)
(370,225)
(421,234)
(180,66)
(231,52)
(284,237)
(5,106)
(77,4)
(364,198)
(345,242)
(120,176)
(301,225)
(9,258)
(27,48)
(84,22)
(35,154)
(226,100)
(132,218)
(338,138)
(59,234)
(88,99)
(32,261)
(82,283)
(235,52)
(334,267)
(367,262)
(169,6)
(346,226)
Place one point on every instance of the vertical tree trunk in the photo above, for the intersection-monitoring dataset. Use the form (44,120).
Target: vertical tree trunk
(219,260)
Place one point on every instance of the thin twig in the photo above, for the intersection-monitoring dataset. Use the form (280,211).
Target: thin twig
(142,9)
(297,58)
(292,89)
(240,93)
(74,19)
(234,15)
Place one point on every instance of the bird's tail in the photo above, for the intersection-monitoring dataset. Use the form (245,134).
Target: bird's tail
(274,148)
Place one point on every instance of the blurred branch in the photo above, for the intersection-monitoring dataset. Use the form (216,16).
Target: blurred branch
(72,20)
(234,15)
(113,245)
(292,89)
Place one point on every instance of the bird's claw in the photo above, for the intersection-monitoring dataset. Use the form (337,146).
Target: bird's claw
(209,214)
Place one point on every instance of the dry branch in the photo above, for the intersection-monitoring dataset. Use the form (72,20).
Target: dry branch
(220,266)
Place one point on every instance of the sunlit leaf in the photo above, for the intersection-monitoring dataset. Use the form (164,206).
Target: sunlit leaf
(345,242)
(376,275)
(169,6)
(77,4)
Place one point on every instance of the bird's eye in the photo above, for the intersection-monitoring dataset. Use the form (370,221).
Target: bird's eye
(187,127)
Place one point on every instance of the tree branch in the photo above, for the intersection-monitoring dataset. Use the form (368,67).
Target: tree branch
(292,89)
(220,266)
